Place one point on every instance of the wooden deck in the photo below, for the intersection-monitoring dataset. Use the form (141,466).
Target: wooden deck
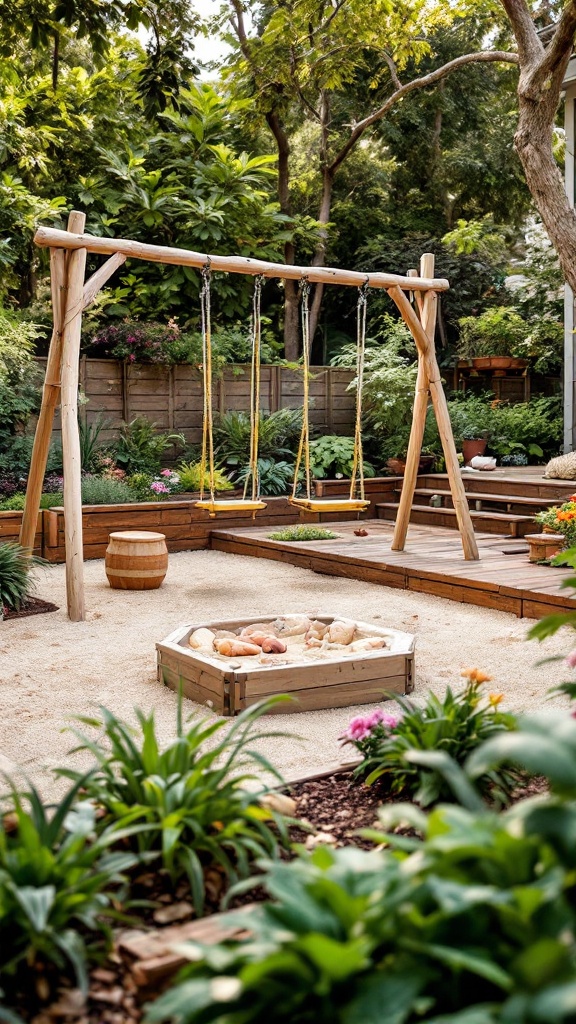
(431,564)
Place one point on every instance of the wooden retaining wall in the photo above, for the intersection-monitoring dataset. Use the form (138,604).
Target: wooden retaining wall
(185,527)
(171,396)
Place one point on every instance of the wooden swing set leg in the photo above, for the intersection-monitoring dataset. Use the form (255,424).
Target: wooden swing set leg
(427,312)
(424,343)
(50,399)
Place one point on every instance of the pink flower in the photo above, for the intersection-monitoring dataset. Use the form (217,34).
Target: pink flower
(159,488)
(571,659)
(361,726)
(166,472)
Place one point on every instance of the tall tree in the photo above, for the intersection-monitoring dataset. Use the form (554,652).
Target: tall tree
(308,56)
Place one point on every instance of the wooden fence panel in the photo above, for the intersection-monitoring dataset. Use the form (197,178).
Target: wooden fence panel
(171,396)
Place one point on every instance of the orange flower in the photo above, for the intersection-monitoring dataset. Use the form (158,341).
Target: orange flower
(475,675)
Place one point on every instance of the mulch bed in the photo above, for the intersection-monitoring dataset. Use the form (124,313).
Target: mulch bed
(334,808)
(33,606)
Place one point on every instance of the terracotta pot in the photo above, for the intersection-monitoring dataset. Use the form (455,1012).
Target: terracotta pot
(398,466)
(492,363)
(519,364)
(472,446)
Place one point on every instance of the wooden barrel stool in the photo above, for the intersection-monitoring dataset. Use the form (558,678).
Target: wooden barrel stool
(544,545)
(136,560)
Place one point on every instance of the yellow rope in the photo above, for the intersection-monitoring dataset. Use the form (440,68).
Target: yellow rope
(358,458)
(357,475)
(304,446)
(253,473)
(207,416)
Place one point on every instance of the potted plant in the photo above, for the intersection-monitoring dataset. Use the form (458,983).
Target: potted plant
(473,443)
(493,340)
(426,464)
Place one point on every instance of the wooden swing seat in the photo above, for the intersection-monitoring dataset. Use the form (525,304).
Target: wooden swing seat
(230,505)
(330,504)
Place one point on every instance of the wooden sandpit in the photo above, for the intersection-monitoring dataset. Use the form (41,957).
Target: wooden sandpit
(323,675)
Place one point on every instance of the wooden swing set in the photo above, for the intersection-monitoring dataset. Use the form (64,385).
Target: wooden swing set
(71,296)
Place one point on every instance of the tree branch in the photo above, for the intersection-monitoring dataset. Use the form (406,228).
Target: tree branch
(481,57)
(393,70)
(530,49)
(557,52)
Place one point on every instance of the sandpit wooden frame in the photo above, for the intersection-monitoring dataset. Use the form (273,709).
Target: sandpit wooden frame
(70,297)
(226,688)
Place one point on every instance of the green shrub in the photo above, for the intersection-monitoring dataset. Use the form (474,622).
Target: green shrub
(190,478)
(16,575)
(333,456)
(188,800)
(279,435)
(455,725)
(533,428)
(389,383)
(296,533)
(57,886)
(275,477)
(17,501)
(20,380)
(139,449)
(99,490)
(473,924)
(498,331)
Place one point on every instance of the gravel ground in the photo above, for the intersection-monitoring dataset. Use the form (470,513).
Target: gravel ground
(52,669)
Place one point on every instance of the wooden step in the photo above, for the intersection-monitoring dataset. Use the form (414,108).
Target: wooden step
(485,499)
(506,523)
(551,491)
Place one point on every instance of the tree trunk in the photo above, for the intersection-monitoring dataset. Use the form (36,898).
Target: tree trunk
(533,143)
(55,60)
(319,258)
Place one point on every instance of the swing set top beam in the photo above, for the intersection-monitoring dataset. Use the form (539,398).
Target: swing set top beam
(53,238)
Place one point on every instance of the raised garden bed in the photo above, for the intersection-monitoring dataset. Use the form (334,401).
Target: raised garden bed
(185,527)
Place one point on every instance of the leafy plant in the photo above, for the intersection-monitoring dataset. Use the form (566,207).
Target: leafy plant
(333,456)
(91,449)
(190,478)
(188,800)
(142,342)
(98,490)
(297,533)
(389,381)
(455,725)
(275,478)
(139,448)
(19,382)
(16,574)
(498,331)
(550,624)
(278,437)
(58,883)
(17,502)
(474,923)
